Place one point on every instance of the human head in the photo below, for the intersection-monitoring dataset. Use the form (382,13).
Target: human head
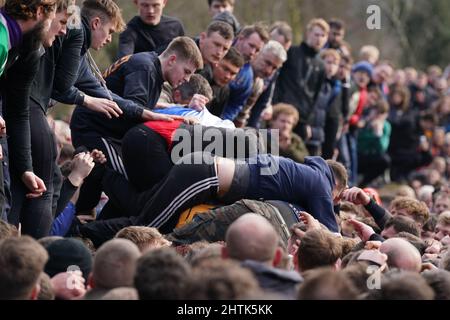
(282,32)
(123,293)
(22,261)
(35,18)
(331,59)
(180,60)
(340,179)
(114,265)
(222,280)
(251,40)
(317,32)
(150,11)
(66,254)
(327,284)
(402,285)
(215,42)
(319,248)
(337,33)
(409,207)
(401,255)
(161,274)
(369,53)
(345,67)
(144,238)
(439,281)
(399,224)
(196,85)
(443,226)
(228,68)
(46,291)
(58,26)
(362,73)
(252,237)
(382,73)
(399,97)
(219,6)
(7,230)
(285,117)
(270,59)
(105,18)
(411,75)
(441,202)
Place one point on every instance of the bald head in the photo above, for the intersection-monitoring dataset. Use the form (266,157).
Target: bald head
(402,255)
(251,237)
(115,264)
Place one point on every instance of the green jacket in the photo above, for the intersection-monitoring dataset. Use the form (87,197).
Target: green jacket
(371,144)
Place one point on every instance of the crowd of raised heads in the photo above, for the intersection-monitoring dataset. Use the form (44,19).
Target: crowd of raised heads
(336,185)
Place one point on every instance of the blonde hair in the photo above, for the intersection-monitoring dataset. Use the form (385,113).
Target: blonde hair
(321,23)
(106,10)
(330,53)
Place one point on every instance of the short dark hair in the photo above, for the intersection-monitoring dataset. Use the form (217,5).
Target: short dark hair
(283,29)
(337,24)
(327,284)
(230,2)
(185,49)
(403,224)
(339,172)
(234,57)
(105,10)
(258,28)
(27,9)
(161,274)
(318,248)
(196,85)
(22,261)
(222,28)
(439,281)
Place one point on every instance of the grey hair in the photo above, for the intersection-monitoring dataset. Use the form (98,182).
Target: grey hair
(275,48)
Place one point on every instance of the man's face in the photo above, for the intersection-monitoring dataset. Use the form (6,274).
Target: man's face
(224,73)
(316,38)
(249,47)
(284,122)
(265,65)
(274,35)
(331,66)
(442,230)
(101,33)
(383,73)
(345,70)
(219,7)
(389,233)
(178,71)
(336,37)
(214,47)
(361,79)
(151,11)
(441,204)
(45,18)
(57,28)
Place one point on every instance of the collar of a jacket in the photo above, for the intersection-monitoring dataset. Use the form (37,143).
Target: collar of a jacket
(87,34)
(308,50)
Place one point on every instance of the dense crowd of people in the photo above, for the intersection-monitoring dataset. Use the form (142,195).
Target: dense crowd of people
(232,165)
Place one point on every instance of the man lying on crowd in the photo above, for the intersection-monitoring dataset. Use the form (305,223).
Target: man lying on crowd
(199,177)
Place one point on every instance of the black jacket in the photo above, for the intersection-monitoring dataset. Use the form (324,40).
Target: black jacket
(299,82)
(138,78)
(85,121)
(58,68)
(15,85)
(140,37)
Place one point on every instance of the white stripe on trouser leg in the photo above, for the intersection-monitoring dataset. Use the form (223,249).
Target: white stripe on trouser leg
(116,160)
(197,191)
(182,196)
(111,156)
(187,194)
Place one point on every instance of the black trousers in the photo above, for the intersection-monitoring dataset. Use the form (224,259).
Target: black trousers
(147,158)
(36,215)
(187,184)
